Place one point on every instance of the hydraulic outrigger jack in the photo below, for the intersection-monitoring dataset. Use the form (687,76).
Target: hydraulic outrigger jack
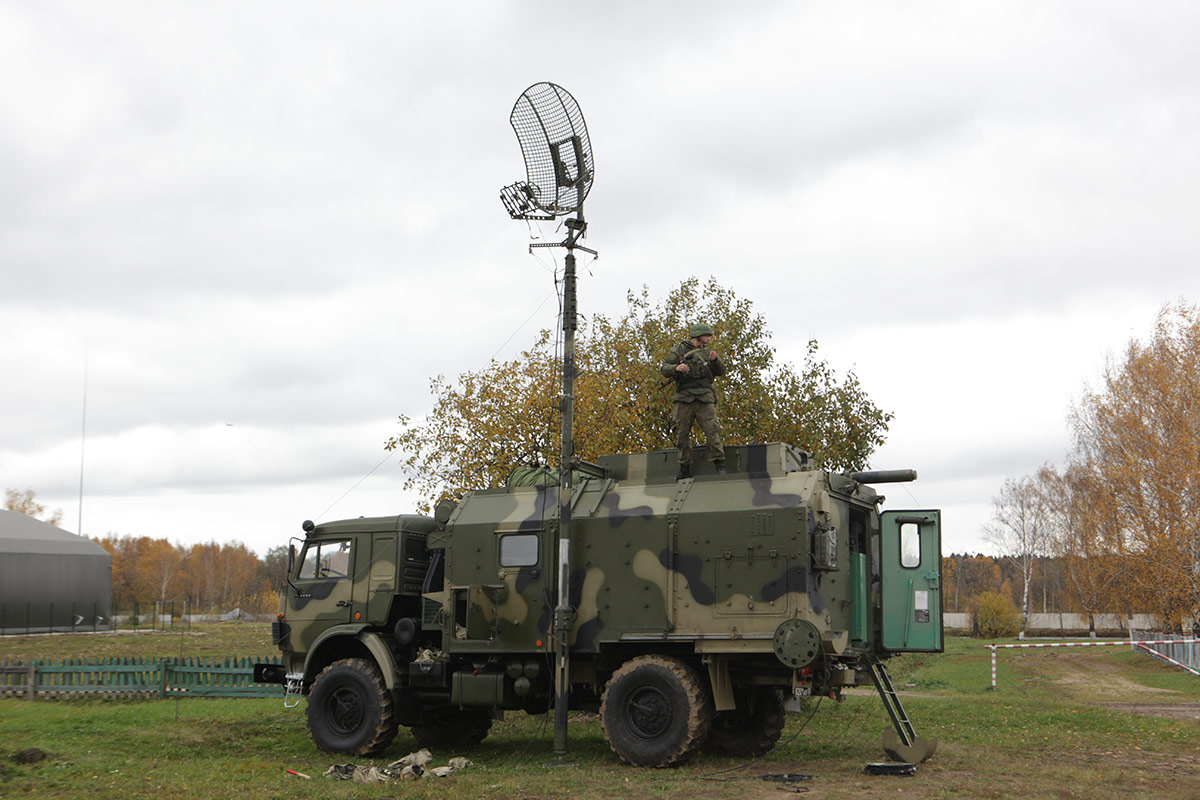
(901,744)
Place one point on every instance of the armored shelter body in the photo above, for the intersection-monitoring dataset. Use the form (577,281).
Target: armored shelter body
(700,610)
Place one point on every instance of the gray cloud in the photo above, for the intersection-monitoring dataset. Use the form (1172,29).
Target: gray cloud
(289,221)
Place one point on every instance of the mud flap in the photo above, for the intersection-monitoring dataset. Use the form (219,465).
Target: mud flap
(915,753)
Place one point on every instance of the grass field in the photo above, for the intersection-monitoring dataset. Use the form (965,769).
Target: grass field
(1065,723)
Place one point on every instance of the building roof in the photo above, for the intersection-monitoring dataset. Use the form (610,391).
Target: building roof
(21,533)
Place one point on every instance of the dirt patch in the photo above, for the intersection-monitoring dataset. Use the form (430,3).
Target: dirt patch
(1089,679)
(1167,710)
(1093,681)
(1179,765)
(30,756)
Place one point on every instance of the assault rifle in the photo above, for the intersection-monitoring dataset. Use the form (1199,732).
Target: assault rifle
(697,364)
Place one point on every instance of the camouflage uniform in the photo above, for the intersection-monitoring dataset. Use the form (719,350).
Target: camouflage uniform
(695,400)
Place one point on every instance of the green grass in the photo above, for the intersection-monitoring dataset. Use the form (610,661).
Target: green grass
(215,640)
(1043,733)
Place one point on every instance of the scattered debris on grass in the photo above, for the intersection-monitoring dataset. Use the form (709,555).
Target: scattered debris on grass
(788,781)
(890,768)
(413,766)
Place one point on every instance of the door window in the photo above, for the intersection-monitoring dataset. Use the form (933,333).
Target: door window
(910,545)
(326,560)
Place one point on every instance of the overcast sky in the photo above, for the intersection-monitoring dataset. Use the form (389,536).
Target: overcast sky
(264,227)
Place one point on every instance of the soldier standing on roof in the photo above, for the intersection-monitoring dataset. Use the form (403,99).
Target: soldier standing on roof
(693,365)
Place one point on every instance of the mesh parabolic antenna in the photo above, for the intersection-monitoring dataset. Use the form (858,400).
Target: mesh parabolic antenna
(558,154)
(558,168)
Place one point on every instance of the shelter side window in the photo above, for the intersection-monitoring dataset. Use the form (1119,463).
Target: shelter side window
(519,550)
(326,560)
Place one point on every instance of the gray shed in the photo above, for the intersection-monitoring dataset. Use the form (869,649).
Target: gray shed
(51,580)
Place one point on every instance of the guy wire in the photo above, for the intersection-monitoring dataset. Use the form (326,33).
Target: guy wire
(386,458)
(712,776)
(519,327)
(534,737)
(372,471)
(547,600)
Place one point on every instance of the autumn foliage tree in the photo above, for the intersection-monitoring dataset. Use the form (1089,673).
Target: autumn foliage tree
(967,578)
(489,421)
(26,503)
(1137,441)
(1083,534)
(1123,517)
(208,576)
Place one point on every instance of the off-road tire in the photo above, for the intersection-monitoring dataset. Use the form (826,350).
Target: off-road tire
(655,711)
(350,709)
(453,727)
(750,730)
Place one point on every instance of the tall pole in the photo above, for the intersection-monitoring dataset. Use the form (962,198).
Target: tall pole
(562,612)
(82,440)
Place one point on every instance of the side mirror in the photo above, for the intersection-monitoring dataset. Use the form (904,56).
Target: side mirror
(291,567)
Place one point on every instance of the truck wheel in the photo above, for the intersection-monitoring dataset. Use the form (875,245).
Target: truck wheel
(655,711)
(350,709)
(453,727)
(750,730)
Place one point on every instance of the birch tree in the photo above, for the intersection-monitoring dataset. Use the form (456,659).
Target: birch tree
(1084,534)
(1019,531)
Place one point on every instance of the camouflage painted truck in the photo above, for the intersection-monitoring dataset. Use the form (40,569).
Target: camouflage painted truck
(700,611)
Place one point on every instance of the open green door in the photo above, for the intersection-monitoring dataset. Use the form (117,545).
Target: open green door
(911,573)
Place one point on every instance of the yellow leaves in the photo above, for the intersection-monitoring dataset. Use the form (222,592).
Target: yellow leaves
(24,503)
(489,421)
(212,574)
(1138,449)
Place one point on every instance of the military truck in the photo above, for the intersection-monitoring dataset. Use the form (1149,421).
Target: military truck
(700,610)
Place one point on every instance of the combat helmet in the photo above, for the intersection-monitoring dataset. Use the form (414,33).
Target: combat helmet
(700,329)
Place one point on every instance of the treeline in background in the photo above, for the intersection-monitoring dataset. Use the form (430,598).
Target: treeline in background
(1116,527)
(993,590)
(216,576)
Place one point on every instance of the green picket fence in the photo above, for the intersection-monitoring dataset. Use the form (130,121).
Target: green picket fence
(135,677)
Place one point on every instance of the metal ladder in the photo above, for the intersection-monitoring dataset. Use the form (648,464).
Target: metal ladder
(891,701)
